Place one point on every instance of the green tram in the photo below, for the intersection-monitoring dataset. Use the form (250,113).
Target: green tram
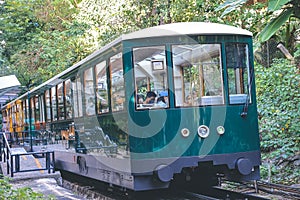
(171,104)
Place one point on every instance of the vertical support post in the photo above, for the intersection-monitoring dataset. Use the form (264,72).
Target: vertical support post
(12,166)
(8,165)
(17,162)
(48,161)
(53,162)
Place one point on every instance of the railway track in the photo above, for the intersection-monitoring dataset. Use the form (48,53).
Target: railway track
(283,191)
(91,189)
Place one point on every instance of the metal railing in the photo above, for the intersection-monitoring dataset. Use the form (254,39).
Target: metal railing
(13,159)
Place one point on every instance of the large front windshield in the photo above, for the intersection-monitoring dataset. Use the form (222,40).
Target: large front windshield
(198,76)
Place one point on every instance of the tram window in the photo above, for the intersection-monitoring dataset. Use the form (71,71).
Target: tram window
(75,97)
(19,114)
(117,82)
(68,99)
(25,111)
(53,103)
(101,88)
(198,78)
(37,109)
(32,107)
(42,106)
(151,74)
(48,105)
(60,99)
(89,93)
(237,61)
(79,96)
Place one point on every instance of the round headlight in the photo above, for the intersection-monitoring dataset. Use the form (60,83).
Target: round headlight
(185,132)
(220,130)
(203,131)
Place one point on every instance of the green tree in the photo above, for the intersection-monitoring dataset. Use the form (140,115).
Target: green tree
(42,38)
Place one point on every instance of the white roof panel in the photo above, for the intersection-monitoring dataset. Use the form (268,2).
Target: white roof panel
(187,28)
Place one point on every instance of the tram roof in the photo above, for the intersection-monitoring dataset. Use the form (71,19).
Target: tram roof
(174,29)
(187,28)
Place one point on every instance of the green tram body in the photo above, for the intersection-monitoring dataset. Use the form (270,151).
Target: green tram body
(143,147)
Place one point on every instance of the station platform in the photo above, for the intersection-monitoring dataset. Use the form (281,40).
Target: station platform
(28,162)
(49,184)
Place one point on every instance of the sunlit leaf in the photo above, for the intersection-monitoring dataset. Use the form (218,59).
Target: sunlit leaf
(230,5)
(277,4)
(275,24)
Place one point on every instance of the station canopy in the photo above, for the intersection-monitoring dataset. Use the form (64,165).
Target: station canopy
(9,88)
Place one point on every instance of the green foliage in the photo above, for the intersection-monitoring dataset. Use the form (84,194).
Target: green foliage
(230,5)
(275,24)
(290,8)
(278,98)
(49,39)
(276,4)
(9,193)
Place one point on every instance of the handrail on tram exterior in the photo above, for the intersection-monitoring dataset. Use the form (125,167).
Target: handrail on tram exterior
(10,157)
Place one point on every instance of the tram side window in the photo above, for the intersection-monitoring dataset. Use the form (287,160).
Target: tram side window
(48,105)
(198,77)
(151,83)
(78,94)
(101,88)
(26,107)
(32,107)
(75,97)
(24,112)
(53,103)
(37,109)
(89,93)
(117,82)
(68,99)
(237,61)
(60,99)
(42,106)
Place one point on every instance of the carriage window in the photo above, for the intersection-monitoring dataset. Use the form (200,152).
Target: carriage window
(89,93)
(60,98)
(101,88)
(150,71)
(79,96)
(237,61)
(37,109)
(117,82)
(48,108)
(24,111)
(53,103)
(68,99)
(42,108)
(198,74)
(75,98)
(26,107)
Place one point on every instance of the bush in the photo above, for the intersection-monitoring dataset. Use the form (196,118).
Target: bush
(278,97)
(9,193)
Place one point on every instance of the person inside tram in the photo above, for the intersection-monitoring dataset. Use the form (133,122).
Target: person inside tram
(162,100)
(150,97)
